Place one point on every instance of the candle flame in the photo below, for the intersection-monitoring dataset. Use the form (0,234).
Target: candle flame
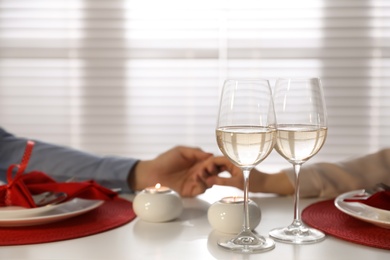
(158,186)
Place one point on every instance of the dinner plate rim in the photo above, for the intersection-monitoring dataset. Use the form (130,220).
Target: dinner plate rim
(12,212)
(74,207)
(356,209)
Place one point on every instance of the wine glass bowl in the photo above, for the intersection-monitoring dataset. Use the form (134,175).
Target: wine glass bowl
(245,146)
(301,132)
(246,135)
(298,143)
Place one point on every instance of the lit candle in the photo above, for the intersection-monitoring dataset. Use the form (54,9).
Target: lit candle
(157,204)
(157,189)
(227,214)
(232,200)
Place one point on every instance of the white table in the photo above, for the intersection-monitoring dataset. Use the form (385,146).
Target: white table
(191,237)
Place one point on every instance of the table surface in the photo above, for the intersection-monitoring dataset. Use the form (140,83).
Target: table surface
(191,237)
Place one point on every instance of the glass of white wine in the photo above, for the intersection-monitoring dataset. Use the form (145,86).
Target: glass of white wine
(301,132)
(246,135)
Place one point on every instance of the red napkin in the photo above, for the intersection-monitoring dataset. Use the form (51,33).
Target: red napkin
(380,200)
(19,189)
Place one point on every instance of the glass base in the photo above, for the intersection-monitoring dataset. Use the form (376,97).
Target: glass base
(247,242)
(297,233)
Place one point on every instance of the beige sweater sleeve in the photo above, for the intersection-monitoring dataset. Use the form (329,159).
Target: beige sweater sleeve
(329,180)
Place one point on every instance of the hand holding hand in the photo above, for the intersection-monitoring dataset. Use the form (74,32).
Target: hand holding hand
(183,169)
(259,181)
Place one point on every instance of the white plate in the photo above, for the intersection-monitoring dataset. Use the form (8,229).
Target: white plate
(21,212)
(61,211)
(378,217)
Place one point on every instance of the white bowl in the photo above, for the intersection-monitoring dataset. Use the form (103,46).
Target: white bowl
(158,207)
(229,217)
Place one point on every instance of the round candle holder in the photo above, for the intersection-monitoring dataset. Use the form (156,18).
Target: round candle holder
(227,215)
(158,204)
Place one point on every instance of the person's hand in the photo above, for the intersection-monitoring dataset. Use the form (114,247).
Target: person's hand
(223,164)
(183,169)
(259,181)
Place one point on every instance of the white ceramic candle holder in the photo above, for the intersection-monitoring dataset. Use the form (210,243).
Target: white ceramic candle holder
(158,204)
(227,215)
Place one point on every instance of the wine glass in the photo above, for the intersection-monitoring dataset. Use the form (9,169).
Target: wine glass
(301,132)
(246,135)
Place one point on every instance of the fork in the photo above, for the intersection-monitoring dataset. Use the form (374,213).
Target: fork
(378,187)
(49,198)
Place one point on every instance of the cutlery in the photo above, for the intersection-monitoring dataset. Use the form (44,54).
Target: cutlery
(366,193)
(49,198)
(378,187)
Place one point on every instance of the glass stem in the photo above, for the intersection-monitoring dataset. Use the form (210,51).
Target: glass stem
(297,217)
(246,173)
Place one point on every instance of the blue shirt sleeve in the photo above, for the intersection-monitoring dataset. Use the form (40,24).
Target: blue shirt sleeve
(63,163)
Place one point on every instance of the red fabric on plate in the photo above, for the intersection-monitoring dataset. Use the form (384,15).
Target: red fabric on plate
(326,217)
(380,200)
(112,214)
(19,189)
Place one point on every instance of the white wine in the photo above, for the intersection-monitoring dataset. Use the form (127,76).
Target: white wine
(298,143)
(246,146)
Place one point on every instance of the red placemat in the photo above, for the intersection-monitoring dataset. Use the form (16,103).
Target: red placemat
(111,214)
(326,217)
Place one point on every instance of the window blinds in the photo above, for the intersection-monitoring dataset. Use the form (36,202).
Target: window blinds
(134,78)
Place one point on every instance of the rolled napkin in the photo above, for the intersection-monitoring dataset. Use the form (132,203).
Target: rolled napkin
(380,200)
(18,190)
